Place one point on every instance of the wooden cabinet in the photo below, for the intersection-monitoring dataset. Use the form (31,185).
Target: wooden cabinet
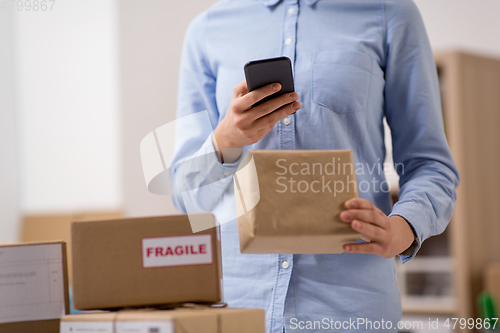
(470,92)
(471,108)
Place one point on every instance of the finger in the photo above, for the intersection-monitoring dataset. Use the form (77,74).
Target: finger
(256,95)
(271,119)
(240,89)
(359,203)
(368,248)
(372,231)
(366,215)
(273,105)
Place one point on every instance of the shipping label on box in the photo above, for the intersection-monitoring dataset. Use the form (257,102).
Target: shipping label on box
(33,282)
(145,327)
(87,327)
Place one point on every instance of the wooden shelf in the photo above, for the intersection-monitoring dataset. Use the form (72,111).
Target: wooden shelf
(429,305)
(470,87)
(470,93)
(430,264)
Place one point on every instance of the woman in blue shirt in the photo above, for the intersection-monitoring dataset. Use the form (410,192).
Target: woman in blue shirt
(354,63)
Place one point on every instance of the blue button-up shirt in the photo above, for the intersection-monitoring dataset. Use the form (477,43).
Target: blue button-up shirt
(354,63)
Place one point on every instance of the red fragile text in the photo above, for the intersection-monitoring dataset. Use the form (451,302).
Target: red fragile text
(177,251)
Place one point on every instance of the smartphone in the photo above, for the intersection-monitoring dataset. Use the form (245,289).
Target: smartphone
(259,73)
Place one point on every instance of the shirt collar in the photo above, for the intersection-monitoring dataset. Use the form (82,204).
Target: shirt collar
(270,3)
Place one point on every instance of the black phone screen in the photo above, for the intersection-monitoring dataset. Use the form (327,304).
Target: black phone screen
(259,73)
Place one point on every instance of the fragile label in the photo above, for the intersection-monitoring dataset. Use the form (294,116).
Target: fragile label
(177,251)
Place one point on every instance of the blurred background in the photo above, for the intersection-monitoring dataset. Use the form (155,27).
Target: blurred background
(82,82)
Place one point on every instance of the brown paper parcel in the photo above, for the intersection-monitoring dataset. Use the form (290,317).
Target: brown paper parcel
(290,201)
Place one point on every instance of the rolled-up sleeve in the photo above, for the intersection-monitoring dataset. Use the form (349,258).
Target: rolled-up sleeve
(428,175)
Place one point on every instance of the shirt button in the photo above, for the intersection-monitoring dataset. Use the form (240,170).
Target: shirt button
(222,179)
(286,121)
(288,41)
(285,264)
(227,173)
(290,11)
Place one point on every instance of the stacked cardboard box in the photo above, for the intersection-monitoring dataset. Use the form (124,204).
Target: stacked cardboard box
(33,287)
(153,261)
(50,227)
(149,261)
(208,320)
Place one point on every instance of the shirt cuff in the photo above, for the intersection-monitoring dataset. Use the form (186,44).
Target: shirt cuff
(412,213)
(216,169)
(231,155)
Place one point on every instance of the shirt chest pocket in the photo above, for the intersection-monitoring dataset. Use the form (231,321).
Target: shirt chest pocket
(341,80)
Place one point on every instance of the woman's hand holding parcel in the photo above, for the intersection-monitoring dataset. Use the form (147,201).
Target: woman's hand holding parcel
(386,236)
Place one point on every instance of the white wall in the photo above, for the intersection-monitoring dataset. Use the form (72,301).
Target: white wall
(67,99)
(9,210)
(464,24)
(151,35)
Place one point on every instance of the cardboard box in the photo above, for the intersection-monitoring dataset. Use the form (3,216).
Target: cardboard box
(492,281)
(290,201)
(209,320)
(145,261)
(50,227)
(33,287)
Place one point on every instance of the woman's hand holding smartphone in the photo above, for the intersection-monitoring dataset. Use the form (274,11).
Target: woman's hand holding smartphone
(252,114)
(245,125)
